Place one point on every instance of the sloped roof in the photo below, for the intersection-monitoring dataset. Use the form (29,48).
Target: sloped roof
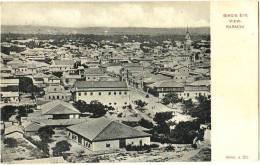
(63,62)
(100,84)
(201,83)
(12,129)
(32,127)
(167,83)
(93,71)
(58,107)
(104,129)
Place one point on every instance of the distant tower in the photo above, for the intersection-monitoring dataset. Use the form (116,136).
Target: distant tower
(188,41)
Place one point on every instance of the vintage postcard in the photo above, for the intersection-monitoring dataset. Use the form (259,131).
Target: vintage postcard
(99,82)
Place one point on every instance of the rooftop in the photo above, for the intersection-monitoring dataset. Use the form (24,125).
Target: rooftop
(104,129)
(58,107)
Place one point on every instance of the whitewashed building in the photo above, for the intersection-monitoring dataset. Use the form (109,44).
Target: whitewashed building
(103,134)
(111,93)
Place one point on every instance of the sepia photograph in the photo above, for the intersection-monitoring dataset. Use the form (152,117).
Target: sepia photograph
(96,82)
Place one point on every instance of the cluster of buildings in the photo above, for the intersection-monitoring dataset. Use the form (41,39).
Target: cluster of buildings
(107,73)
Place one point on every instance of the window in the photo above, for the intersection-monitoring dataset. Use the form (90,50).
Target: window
(85,93)
(99,93)
(54,89)
(53,97)
(125,93)
(79,94)
(58,97)
(114,93)
(120,93)
(107,145)
(88,77)
(91,93)
(114,103)
(62,97)
(188,94)
(125,103)
(110,103)
(49,97)
(109,93)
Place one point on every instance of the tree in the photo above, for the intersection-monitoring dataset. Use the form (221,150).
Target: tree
(161,117)
(145,123)
(140,104)
(7,111)
(185,132)
(96,108)
(188,104)
(203,110)
(10,142)
(61,147)
(46,133)
(57,74)
(170,98)
(26,85)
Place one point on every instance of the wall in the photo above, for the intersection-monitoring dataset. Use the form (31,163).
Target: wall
(105,98)
(136,141)
(97,146)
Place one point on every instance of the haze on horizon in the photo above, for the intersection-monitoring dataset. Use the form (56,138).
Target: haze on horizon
(107,14)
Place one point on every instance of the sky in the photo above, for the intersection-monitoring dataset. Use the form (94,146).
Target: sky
(113,14)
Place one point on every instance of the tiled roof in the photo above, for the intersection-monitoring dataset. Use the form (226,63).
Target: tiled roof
(63,62)
(100,84)
(58,107)
(201,83)
(33,127)
(13,128)
(167,84)
(104,129)
(93,71)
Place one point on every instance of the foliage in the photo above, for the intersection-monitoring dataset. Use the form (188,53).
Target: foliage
(169,148)
(40,144)
(7,111)
(170,98)
(61,147)
(57,74)
(185,132)
(203,110)
(140,104)
(96,108)
(46,133)
(161,117)
(26,85)
(163,128)
(138,148)
(145,123)
(188,104)
(130,123)
(10,142)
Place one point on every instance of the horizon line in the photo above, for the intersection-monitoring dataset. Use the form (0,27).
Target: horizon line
(111,26)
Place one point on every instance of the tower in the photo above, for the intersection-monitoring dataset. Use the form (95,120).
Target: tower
(188,41)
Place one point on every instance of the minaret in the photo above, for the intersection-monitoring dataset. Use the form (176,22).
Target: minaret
(187,43)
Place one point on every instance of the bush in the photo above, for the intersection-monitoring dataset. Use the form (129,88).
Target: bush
(46,133)
(41,145)
(140,104)
(170,148)
(10,142)
(120,115)
(138,148)
(185,132)
(61,147)
(145,123)
(154,145)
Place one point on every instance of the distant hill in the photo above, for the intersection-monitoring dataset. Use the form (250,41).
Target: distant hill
(27,29)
